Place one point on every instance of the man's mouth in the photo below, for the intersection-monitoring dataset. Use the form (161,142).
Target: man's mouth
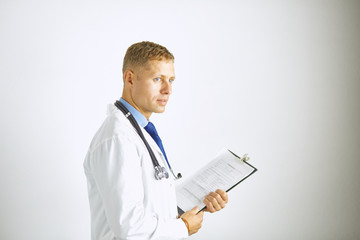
(162,101)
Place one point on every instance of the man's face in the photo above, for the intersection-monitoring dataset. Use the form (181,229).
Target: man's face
(152,86)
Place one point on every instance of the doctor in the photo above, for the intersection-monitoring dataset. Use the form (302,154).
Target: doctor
(126,200)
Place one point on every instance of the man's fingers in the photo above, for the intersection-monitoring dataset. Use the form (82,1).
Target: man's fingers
(217,200)
(213,203)
(223,195)
(209,206)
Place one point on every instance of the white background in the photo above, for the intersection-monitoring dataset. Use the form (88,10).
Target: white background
(278,80)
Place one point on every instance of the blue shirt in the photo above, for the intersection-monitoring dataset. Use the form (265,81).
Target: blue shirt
(140,119)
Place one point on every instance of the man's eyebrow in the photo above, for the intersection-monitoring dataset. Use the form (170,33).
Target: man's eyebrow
(164,76)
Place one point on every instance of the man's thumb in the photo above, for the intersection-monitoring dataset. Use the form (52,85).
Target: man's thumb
(195,209)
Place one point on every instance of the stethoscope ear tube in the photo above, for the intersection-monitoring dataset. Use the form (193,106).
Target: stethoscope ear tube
(160,172)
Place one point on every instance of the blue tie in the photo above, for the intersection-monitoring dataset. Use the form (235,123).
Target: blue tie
(150,128)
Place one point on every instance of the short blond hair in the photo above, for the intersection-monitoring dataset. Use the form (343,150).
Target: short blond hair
(138,54)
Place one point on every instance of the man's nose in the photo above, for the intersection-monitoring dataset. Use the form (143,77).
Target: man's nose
(166,88)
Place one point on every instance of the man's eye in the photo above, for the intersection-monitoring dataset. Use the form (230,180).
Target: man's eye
(157,79)
(171,80)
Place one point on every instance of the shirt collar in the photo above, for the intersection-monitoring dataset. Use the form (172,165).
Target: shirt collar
(140,119)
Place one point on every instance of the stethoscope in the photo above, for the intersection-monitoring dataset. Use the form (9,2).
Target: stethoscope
(160,172)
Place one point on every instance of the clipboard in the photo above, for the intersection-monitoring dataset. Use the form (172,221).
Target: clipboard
(225,171)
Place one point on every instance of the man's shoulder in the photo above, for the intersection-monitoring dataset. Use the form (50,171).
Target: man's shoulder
(114,127)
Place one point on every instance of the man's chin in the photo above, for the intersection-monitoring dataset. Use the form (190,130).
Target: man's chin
(160,110)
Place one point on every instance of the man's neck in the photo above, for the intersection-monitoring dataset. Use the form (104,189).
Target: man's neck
(139,117)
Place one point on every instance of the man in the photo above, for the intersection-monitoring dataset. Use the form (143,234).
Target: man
(126,200)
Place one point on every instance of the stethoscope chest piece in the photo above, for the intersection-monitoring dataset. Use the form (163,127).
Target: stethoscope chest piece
(160,173)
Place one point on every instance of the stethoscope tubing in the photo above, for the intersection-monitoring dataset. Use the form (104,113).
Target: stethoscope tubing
(133,122)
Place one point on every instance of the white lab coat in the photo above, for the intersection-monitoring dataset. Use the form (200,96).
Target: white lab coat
(126,201)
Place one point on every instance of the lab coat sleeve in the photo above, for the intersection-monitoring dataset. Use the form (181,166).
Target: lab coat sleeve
(116,168)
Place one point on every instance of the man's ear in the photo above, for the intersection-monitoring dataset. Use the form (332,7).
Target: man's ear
(129,77)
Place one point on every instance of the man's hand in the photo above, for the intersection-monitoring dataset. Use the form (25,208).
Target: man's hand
(215,201)
(194,220)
